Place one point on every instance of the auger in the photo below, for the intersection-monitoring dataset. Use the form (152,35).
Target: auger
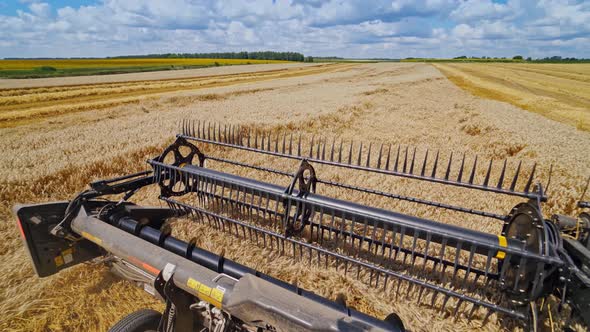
(458,270)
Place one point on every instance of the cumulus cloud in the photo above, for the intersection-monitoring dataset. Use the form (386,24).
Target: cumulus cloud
(351,28)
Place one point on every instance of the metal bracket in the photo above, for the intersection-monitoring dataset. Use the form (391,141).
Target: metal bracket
(177,317)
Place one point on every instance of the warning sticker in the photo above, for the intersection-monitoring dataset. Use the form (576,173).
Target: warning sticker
(59,261)
(217,294)
(206,293)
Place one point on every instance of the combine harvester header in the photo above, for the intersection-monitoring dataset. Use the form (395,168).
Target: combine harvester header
(458,270)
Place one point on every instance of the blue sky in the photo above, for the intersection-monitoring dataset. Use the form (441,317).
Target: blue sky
(348,28)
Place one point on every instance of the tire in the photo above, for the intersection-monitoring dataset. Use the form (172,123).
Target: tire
(138,321)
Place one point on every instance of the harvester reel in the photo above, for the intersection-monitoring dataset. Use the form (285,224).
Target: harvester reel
(179,154)
(526,225)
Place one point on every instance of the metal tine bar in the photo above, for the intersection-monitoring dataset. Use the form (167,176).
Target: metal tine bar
(311,147)
(350,152)
(502,173)
(515,179)
(277,143)
(448,171)
(487,179)
(263,140)
(291,144)
(225,133)
(392,246)
(530,181)
(413,160)
(472,176)
(424,163)
(340,151)
(324,149)
(299,146)
(268,142)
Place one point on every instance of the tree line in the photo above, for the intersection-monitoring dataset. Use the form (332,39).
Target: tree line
(555,59)
(264,55)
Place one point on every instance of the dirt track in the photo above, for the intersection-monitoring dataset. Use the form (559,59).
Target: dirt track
(410,104)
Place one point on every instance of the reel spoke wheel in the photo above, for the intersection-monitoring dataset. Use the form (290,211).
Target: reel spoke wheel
(179,154)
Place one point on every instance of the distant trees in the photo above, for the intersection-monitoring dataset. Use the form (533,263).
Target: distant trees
(517,57)
(265,55)
(308,59)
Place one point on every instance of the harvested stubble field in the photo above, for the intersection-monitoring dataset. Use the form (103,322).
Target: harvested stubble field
(558,91)
(52,155)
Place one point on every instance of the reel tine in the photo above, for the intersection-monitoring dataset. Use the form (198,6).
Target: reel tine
(380,155)
(488,173)
(515,179)
(369,154)
(405,159)
(530,181)
(340,151)
(412,163)
(502,173)
(332,149)
(388,156)
(350,152)
(472,176)
(433,175)
(360,153)
(284,143)
(424,163)
(397,158)
(298,146)
(461,169)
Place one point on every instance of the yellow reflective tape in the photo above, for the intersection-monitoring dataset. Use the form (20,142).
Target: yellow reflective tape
(92,238)
(503,243)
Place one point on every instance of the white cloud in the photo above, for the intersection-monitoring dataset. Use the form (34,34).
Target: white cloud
(396,28)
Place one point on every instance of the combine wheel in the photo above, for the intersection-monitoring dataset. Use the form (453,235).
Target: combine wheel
(139,321)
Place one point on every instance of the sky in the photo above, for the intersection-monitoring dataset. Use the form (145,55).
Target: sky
(346,28)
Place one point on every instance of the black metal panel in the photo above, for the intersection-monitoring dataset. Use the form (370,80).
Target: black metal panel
(50,254)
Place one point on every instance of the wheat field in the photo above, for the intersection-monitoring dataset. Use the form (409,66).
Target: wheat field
(52,156)
(123,62)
